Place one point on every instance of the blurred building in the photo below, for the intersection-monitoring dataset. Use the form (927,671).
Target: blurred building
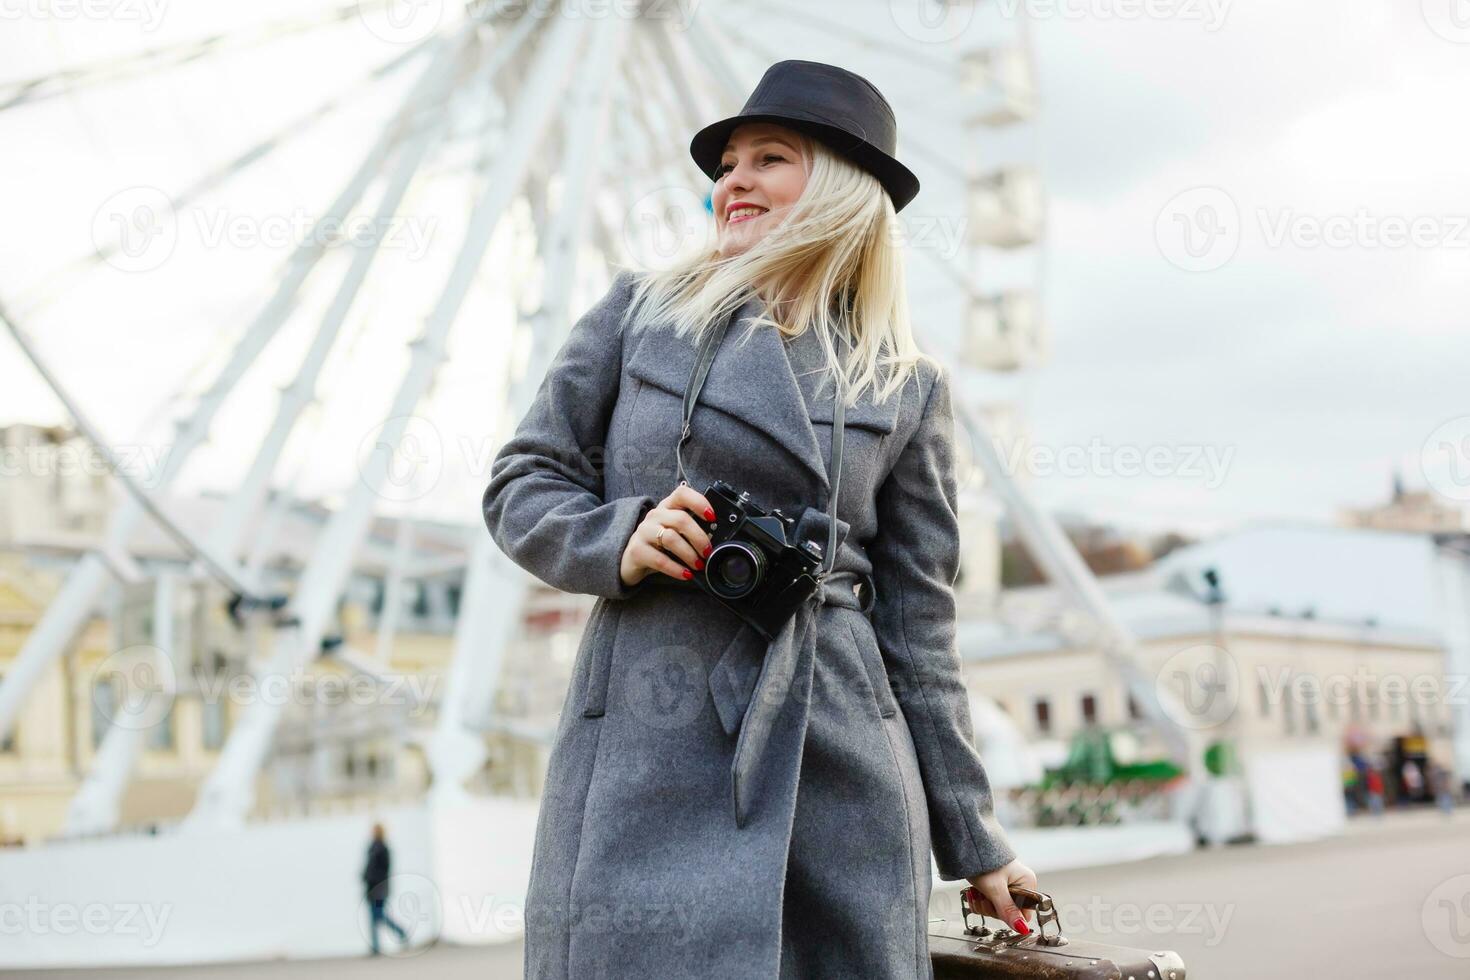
(356,722)
(54,484)
(1329,633)
(1107,550)
(1418,510)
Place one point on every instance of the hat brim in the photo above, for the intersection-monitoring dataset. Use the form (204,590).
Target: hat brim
(899,181)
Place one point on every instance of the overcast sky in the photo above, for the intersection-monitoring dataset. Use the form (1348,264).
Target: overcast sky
(1222,285)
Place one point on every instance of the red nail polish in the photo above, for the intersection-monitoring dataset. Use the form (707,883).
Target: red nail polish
(688,574)
(707,549)
(1020,926)
(709,515)
(698,564)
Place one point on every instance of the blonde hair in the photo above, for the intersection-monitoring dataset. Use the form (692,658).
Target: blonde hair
(835,253)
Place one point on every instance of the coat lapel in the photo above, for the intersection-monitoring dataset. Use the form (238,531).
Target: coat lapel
(808,364)
(779,392)
(751,378)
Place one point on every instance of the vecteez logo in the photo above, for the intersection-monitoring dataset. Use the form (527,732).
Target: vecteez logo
(1199,229)
(1450,19)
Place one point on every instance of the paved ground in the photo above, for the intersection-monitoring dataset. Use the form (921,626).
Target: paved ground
(1389,899)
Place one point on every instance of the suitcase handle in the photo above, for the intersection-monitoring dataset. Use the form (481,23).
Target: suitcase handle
(1024,898)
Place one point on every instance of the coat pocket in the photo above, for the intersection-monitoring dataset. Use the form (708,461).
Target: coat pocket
(867,645)
(598,640)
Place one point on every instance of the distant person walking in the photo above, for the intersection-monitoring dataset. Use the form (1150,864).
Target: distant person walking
(1413,779)
(375,880)
(1375,791)
(1440,782)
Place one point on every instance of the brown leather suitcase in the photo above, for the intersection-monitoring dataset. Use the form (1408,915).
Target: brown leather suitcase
(961,948)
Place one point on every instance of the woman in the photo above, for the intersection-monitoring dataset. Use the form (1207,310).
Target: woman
(720,804)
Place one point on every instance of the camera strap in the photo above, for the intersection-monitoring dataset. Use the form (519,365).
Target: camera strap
(707,349)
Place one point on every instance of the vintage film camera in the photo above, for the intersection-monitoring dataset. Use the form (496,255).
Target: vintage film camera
(755,568)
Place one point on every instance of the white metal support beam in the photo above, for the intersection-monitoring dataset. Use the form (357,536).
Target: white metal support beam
(222,566)
(693,107)
(95,807)
(73,604)
(393,591)
(1049,545)
(68,277)
(228,795)
(1452,567)
(495,590)
(711,55)
(229,529)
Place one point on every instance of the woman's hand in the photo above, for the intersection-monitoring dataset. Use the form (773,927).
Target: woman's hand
(994,897)
(685,539)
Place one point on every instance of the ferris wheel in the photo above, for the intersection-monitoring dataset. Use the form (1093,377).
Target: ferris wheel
(552,139)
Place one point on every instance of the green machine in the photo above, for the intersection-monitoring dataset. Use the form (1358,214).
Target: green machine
(1092,760)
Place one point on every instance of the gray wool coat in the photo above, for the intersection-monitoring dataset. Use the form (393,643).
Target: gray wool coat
(854,728)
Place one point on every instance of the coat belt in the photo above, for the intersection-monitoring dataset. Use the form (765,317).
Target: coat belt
(754,680)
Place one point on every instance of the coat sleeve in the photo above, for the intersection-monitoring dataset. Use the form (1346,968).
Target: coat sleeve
(546,504)
(916,559)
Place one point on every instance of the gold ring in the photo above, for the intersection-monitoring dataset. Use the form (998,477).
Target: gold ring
(658,539)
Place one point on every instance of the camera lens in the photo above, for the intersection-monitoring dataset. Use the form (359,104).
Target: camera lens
(734,569)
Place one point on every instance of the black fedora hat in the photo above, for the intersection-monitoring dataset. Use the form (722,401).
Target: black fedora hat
(841,108)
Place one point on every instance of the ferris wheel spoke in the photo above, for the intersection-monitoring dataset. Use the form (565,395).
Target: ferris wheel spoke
(63,278)
(67,81)
(469,101)
(724,75)
(935,158)
(672,60)
(798,13)
(951,272)
(677,115)
(640,130)
(531,117)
